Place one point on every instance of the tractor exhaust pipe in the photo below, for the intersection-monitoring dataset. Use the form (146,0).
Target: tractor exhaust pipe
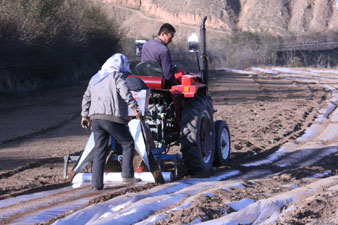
(203,56)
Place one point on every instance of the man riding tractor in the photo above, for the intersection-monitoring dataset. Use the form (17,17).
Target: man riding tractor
(180,110)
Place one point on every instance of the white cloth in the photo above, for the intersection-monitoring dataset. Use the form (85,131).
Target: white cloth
(116,63)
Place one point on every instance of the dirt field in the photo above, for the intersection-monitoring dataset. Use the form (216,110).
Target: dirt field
(263,112)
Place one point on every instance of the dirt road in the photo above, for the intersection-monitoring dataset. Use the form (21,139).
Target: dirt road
(272,116)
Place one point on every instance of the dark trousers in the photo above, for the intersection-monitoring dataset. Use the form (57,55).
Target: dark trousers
(102,130)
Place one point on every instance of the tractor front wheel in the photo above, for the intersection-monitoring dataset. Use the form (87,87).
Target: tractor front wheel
(222,140)
(197,132)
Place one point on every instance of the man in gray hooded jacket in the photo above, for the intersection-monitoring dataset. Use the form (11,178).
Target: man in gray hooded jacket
(106,102)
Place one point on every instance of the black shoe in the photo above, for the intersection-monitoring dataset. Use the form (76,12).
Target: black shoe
(97,189)
(131,180)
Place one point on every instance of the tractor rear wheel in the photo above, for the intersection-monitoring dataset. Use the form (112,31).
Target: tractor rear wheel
(222,141)
(197,132)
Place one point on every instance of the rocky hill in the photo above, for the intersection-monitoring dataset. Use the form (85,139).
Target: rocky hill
(276,17)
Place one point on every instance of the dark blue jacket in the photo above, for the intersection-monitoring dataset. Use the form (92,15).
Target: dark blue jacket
(157,51)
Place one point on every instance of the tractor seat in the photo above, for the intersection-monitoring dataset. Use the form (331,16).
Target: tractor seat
(149,69)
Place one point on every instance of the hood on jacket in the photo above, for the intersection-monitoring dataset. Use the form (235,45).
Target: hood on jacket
(116,63)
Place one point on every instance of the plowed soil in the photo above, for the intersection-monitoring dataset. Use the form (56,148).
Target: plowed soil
(262,113)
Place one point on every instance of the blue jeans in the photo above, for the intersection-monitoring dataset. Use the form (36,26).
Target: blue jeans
(102,130)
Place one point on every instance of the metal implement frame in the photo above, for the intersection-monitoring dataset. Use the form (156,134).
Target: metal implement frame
(158,153)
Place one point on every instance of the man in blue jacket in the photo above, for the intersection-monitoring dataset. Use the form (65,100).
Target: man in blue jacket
(105,106)
(157,51)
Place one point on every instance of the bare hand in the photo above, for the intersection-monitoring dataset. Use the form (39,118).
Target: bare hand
(85,122)
(137,113)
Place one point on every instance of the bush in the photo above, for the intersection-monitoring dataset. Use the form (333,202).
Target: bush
(310,50)
(52,41)
(242,50)
(239,50)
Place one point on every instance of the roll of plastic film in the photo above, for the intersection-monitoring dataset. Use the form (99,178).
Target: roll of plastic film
(116,177)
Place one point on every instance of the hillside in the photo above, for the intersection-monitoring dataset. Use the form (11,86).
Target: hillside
(277,17)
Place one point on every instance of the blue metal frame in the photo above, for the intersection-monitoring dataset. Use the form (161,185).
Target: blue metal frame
(157,152)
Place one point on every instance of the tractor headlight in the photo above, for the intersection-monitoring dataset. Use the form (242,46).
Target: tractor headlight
(186,89)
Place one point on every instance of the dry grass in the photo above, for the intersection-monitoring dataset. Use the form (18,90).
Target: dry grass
(52,41)
(240,50)
(243,50)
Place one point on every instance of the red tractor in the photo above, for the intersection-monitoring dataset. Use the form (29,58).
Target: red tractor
(184,114)
(181,115)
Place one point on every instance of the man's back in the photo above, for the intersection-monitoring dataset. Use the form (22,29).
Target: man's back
(154,51)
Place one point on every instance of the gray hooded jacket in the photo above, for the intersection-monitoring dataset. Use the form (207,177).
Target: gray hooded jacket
(107,96)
